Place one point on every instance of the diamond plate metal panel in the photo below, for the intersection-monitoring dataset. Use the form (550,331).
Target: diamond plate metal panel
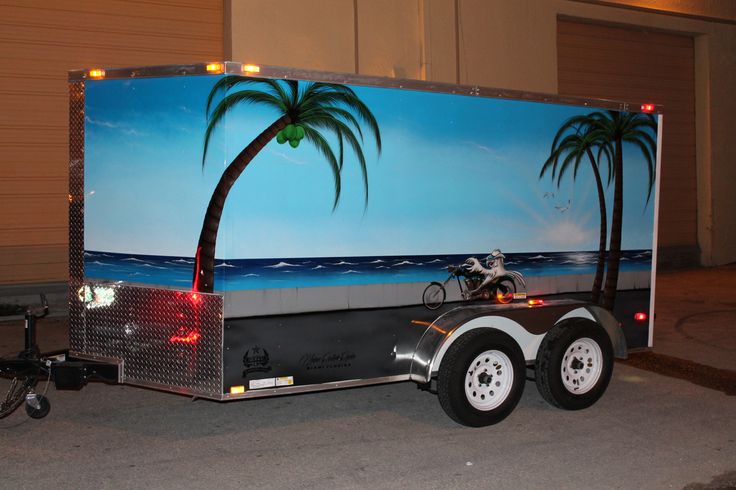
(167,339)
(76,211)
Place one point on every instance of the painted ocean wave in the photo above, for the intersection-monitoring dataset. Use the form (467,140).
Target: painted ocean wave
(246,274)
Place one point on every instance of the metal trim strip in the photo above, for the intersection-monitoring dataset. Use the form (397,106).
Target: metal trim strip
(291,390)
(268,71)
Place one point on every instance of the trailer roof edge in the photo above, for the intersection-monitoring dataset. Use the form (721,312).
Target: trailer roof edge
(277,72)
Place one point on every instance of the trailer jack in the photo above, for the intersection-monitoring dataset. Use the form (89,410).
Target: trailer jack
(23,372)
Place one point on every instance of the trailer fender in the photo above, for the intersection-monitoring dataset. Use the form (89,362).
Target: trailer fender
(436,340)
(605,319)
(434,343)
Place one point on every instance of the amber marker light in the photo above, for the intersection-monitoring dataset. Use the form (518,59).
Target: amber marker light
(237,390)
(97,73)
(251,69)
(214,67)
(535,302)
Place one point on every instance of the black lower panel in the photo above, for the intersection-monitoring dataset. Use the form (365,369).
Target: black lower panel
(314,348)
(323,347)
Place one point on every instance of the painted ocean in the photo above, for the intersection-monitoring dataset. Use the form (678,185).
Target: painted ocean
(243,274)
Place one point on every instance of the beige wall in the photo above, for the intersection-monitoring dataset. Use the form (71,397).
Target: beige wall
(510,45)
(39,42)
(488,42)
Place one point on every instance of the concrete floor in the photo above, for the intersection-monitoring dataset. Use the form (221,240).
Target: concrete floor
(648,431)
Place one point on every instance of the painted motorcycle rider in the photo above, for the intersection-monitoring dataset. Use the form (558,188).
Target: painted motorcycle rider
(484,277)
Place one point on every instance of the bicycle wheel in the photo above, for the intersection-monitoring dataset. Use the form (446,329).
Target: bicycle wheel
(15,391)
(434,296)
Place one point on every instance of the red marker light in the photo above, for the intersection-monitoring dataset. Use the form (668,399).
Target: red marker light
(640,317)
(184,337)
(535,302)
(647,108)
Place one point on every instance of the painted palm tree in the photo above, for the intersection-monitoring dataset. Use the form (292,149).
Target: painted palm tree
(312,111)
(637,130)
(577,138)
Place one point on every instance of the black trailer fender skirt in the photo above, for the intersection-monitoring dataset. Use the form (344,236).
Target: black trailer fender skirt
(526,325)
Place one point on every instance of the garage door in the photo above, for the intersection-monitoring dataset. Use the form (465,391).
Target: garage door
(39,43)
(643,66)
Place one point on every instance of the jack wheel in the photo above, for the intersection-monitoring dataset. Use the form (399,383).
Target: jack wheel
(41,410)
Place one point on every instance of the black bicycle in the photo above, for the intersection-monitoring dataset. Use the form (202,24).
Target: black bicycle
(503,289)
(19,375)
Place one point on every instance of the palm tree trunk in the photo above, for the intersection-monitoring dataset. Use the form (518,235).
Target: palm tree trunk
(204,260)
(614,253)
(598,281)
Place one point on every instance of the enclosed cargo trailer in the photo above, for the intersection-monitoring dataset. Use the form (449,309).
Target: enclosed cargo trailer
(240,231)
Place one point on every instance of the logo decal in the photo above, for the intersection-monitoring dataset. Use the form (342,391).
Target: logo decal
(256,360)
(329,360)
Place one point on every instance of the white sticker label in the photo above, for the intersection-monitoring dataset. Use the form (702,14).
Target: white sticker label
(257,384)
(285,381)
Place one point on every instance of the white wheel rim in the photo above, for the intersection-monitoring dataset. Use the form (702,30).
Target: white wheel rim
(488,380)
(581,366)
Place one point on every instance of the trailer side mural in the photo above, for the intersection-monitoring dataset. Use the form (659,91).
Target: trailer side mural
(458,177)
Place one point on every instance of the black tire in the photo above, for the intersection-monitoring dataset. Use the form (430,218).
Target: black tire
(573,342)
(434,296)
(43,409)
(505,291)
(459,367)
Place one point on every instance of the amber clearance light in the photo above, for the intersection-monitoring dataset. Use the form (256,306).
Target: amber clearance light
(96,73)
(251,69)
(214,67)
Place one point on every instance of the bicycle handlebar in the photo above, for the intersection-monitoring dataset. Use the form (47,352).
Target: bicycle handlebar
(41,311)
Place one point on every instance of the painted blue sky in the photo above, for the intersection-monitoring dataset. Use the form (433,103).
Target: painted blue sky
(456,175)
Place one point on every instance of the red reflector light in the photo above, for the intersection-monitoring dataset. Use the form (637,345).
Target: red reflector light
(184,337)
(535,302)
(640,317)
(647,108)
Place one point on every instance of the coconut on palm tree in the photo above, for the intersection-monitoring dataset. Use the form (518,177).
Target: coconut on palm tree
(311,111)
(575,139)
(636,129)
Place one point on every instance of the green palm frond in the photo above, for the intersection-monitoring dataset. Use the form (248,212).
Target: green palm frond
(314,137)
(341,130)
(320,108)
(351,103)
(648,157)
(226,83)
(337,112)
(229,102)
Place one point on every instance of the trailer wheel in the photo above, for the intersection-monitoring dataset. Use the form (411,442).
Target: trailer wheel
(43,409)
(434,296)
(481,378)
(574,364)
